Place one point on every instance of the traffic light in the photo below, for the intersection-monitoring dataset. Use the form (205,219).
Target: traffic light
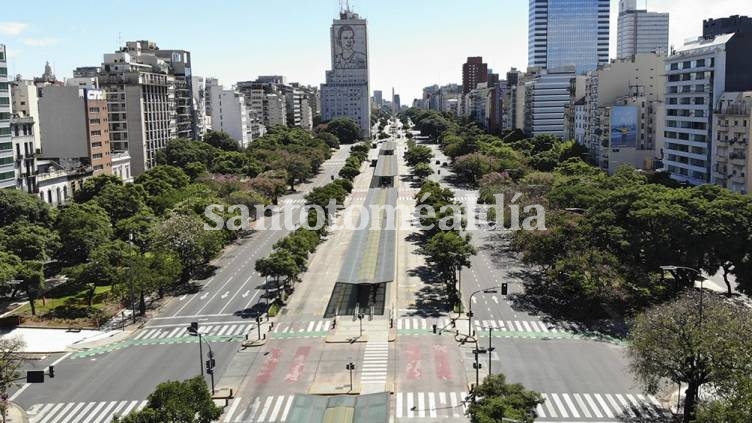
(52,371)
(504,288)
(193,328)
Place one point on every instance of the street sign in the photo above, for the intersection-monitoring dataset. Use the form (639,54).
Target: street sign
(35,376)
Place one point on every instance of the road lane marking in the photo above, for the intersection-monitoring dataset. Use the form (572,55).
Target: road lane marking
(192,297)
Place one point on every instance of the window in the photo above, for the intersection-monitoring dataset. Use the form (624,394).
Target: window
(4,101)
(96,133)
(7,175)
(96,144)
(5,131)
(4,116)
(6,160)
(3,71)
(94,121)
(3,86)
(93,109)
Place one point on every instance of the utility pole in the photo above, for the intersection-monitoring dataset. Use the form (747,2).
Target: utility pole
(490,349)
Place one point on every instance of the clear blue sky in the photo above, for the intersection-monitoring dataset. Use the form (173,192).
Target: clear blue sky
(413,43)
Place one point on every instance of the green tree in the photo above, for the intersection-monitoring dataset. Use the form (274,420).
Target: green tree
(188,401)
(221,140)
(681,342)
(32,281)
(8,266)
(423,170)
(82,227)
(122,201)
(29,241)
(92,187)
(17,205)
(473,166)
(180,151)
(418,154)
(330,139)
(447,252)
(280,264)
(11,360)
(185,236)
(497,400)
(345,129)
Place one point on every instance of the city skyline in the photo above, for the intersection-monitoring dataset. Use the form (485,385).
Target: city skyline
(42,34)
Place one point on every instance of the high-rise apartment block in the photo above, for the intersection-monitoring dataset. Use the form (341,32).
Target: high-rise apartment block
(346,92)
(640,31)
(546,97)
(698,73)
(229,113)
(75,127)
(623,106)
(568,32)
(732,133)
(474,72)
(142,104)
(7,156)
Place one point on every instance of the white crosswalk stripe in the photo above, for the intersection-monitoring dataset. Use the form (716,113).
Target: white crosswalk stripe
(316,326)
(274,408)
(231,329)
(83,412)
(498,326)
(557,407)
(375,361)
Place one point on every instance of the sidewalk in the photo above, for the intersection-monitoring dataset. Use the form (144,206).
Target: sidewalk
(16,414)
(48,341)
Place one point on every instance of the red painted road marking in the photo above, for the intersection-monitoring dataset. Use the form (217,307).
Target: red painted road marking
(269,365)
(413,369)
(298,363)
(441,358)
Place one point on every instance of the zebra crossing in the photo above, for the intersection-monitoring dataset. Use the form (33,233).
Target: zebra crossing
(292,201)
(316,326)
(559,407)
(417,324)
(220,330)
(273,408)
(375,360)
(82,412)
(435,405)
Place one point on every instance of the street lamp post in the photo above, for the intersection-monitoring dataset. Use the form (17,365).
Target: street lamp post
(193,330)
(470,310)
(350,366)
(490,349)
(360,320)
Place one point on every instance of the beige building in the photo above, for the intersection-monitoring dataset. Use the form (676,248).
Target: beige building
(732,133)
(142,106)
(622,102)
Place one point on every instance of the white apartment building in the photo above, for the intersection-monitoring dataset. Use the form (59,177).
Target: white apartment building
(546,97)
(26,104)
(7,155)
(229,113)
(697,77)
(732,133)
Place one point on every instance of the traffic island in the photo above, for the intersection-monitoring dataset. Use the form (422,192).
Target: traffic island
(334,389)
(255,343)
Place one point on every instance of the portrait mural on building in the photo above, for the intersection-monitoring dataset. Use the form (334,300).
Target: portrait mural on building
(350,47)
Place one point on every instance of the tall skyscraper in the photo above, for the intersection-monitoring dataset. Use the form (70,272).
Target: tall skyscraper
(474,71)
(640,31)
(568,32)
(346,92)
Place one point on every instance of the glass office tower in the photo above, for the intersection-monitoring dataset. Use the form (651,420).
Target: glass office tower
(568,32)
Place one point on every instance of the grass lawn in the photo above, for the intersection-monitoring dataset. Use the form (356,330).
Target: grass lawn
(66,307)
